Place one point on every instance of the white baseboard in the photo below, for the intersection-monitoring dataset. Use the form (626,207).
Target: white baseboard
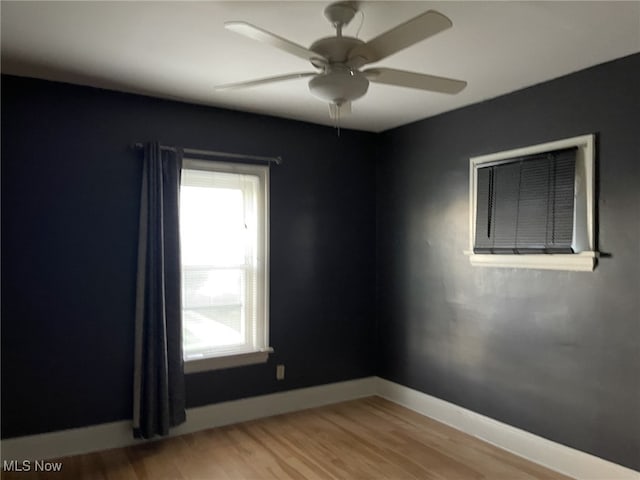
(555,456)
(119,434)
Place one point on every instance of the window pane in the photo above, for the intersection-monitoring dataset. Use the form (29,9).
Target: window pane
(219,232)
(212,226)
(212,308)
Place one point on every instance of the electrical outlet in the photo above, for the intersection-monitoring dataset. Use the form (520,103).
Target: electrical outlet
(279,372)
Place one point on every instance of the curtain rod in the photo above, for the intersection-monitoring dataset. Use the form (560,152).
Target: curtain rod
(213,153)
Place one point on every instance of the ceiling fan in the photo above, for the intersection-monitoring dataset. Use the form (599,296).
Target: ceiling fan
(338,60)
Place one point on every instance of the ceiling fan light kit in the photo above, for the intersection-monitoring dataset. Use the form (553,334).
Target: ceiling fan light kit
(339,85)
(338,59)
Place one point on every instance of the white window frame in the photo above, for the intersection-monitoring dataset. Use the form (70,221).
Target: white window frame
(585,256)
(261,354)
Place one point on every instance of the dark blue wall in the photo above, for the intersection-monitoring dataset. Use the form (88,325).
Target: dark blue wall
(70,199)
(554,353)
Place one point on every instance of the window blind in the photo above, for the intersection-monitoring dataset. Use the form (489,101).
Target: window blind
(525,205)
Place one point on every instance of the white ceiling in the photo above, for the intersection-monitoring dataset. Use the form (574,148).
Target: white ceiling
(180,50)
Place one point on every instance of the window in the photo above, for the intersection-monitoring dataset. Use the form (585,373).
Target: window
(525,205)
(533,207)
(224,254)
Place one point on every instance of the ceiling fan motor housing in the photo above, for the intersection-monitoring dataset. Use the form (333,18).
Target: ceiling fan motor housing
(339,85)
(336,49)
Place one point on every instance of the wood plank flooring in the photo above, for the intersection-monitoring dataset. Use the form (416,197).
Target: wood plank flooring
(369,438)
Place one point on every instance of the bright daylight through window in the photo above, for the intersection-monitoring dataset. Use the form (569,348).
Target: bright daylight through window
(223,235)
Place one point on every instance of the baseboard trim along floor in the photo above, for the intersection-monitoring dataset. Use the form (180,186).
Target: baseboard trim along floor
(119,434)
(555,456)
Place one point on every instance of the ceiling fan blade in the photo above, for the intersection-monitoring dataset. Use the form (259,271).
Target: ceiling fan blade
(263,81)
(261,35)
(401,78)
(404,35)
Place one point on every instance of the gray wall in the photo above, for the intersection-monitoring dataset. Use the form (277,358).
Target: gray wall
(554,353)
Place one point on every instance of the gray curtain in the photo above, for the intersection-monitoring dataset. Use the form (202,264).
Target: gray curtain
(159,393)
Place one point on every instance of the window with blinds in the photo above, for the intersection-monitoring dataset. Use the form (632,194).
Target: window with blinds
(531,201)
(223,234)
(526,205)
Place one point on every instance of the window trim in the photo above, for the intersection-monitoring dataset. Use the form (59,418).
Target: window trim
(227,361)
(259,355)
(583,260)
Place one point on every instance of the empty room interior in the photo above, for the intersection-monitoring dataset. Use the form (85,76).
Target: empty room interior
(320,240)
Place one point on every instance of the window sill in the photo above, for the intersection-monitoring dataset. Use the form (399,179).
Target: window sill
(227,361)
(575,262)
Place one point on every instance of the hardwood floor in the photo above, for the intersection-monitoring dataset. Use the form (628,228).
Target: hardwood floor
(369,438)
